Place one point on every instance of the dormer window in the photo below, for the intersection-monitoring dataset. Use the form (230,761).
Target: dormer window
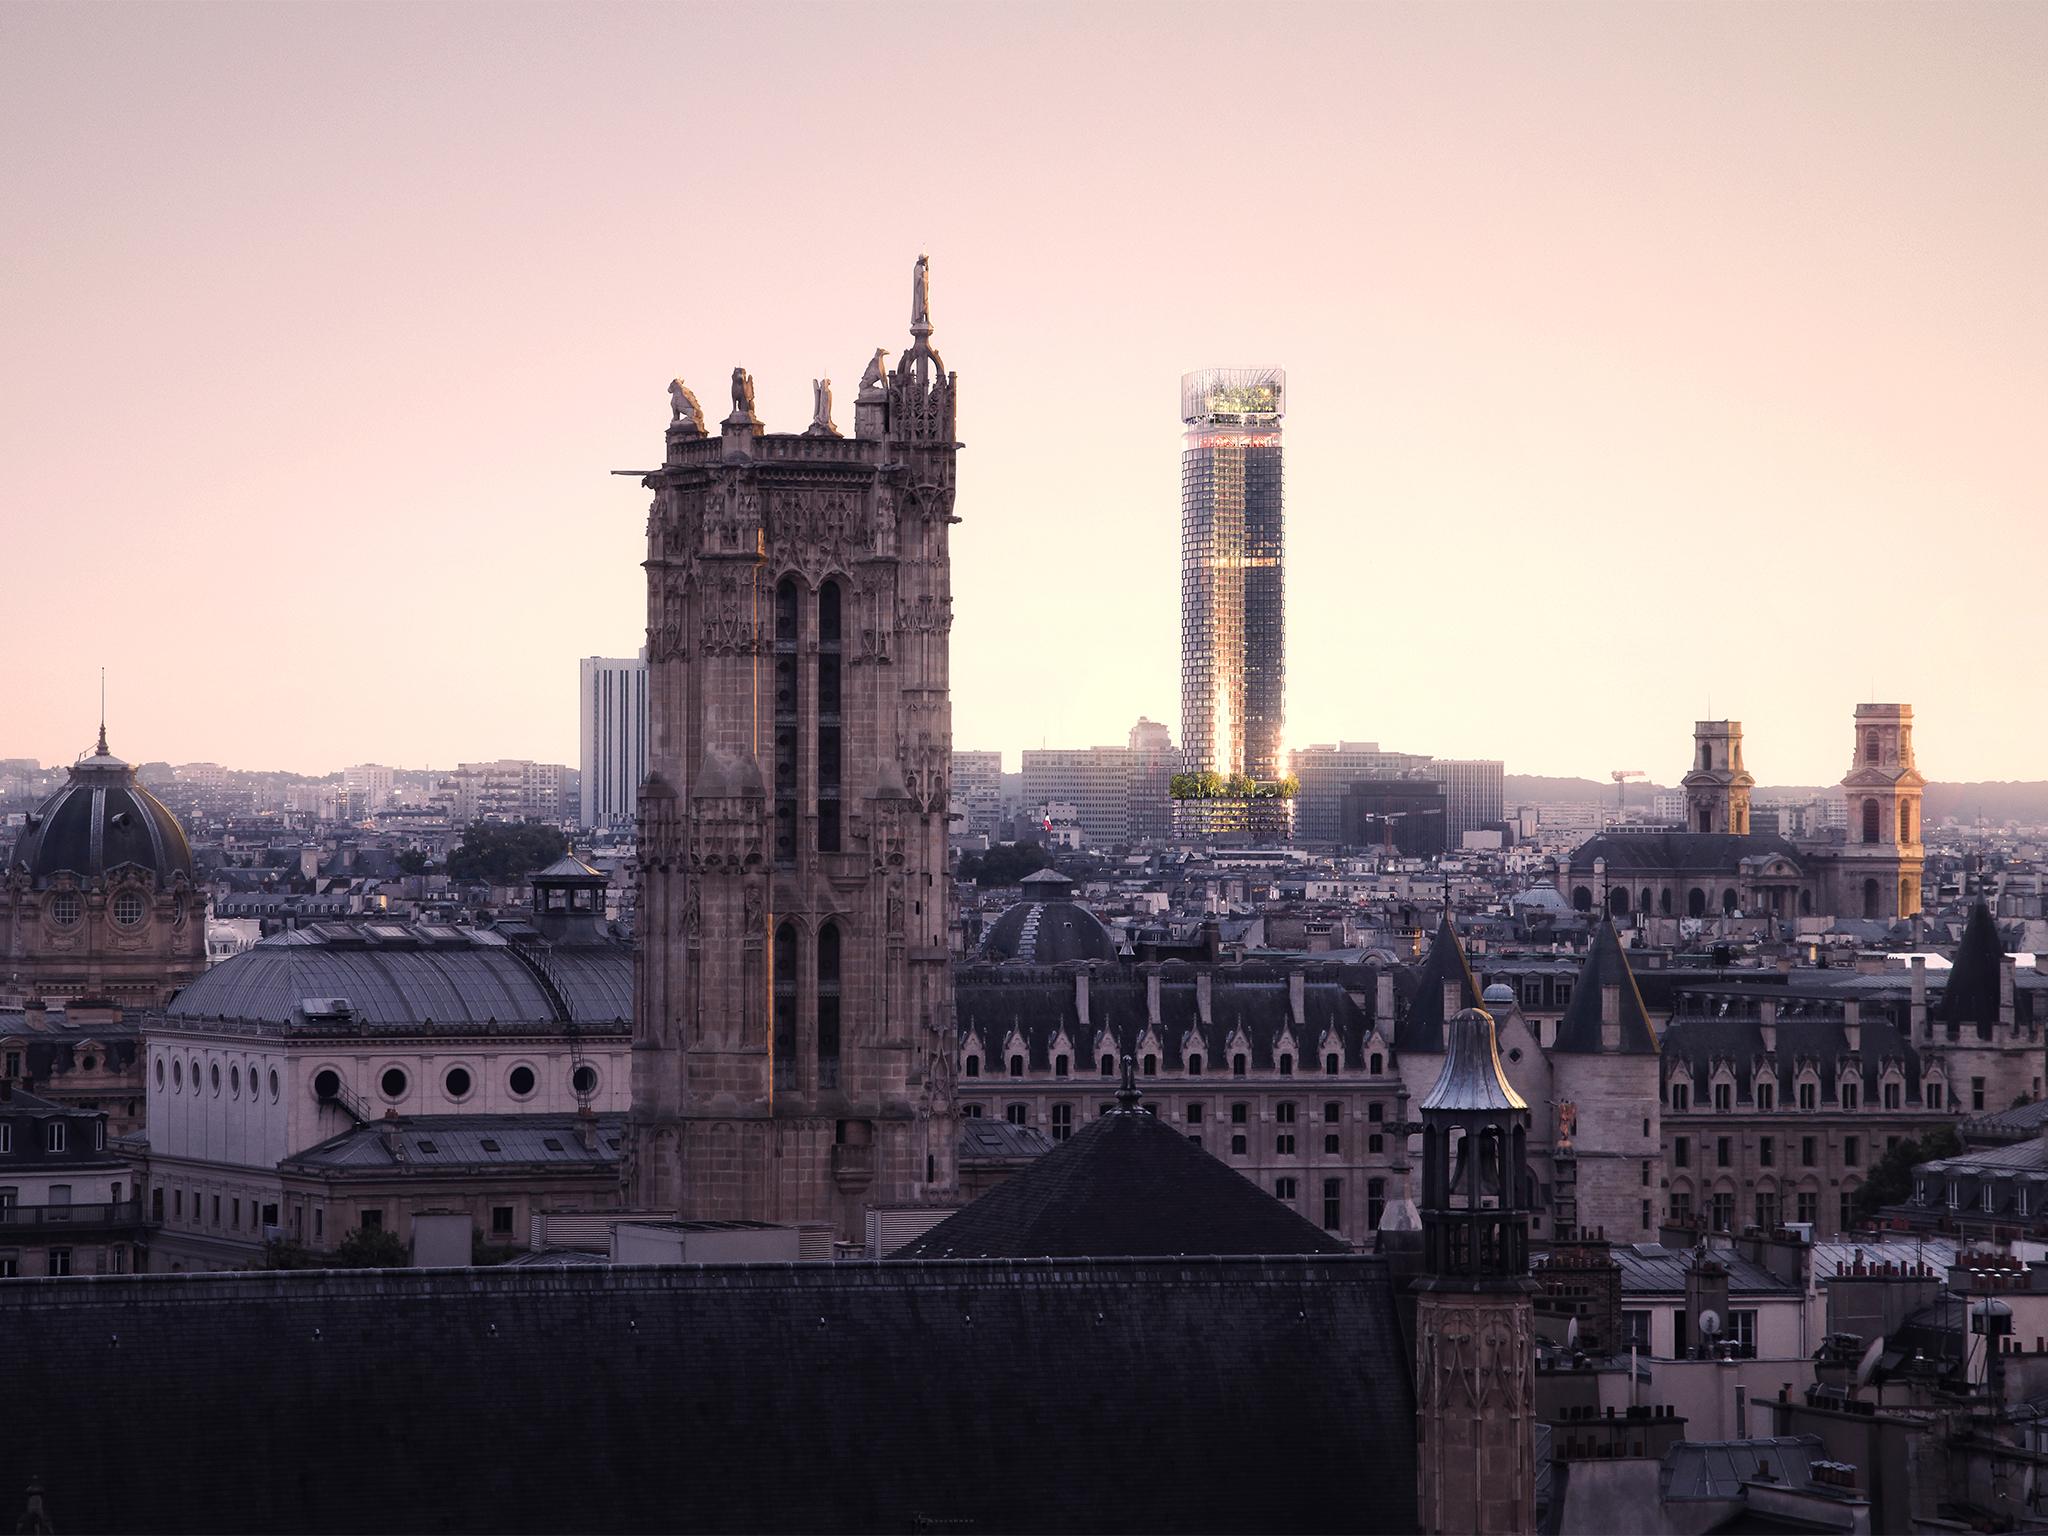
(1932,1092)
(1286,1066)
(1681,1096)
(1059,1066)
(1377,1065)
(1766,1096)
(1809,1093)
(1016,1065)
(1852,1094)
(974,1066)
(1330,1064)
(1238,1065)
(1894,1094)
(1108,1065)
(1151,1066)
(1195,1064)
(1724,1097)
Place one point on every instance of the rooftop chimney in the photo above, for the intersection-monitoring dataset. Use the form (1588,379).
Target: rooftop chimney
(1202,994)
(1297,998)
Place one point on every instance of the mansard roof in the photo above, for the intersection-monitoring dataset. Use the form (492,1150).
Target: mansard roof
(1606,965)
(1971,993)
(1126,1186)
(1695,1043)
(1038,1006)
(1422,1029)
(1674,853)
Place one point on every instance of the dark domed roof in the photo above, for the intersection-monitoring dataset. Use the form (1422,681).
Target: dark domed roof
(1045,932)
(102,820)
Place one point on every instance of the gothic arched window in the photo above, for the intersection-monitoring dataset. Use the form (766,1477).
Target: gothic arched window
(828,716)
(786,736)
(784,1044)
(828,1006)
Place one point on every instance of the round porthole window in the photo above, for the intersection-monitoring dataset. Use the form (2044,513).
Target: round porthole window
(91,1063)
(66,908)
(177,1074)
(520,1081)
(235,1082)
(273,1085)
(216,1079)
(128,908)
(159,1071)
(584,1080)
(393,1083)
(458,1082)
(326,1083)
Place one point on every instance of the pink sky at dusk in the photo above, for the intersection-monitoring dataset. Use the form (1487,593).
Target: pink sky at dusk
(1642,359)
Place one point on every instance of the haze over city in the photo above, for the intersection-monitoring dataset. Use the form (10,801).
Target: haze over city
(1644,363)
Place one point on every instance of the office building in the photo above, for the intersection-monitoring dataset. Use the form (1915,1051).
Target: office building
(1475,795)
(1233,674)
(978,791)
(611,735)
(1327,771)
(1403,815)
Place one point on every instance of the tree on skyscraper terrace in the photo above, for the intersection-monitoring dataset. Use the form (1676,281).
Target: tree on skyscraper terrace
(1236,786)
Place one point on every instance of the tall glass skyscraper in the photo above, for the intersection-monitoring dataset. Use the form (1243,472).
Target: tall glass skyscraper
(1233,585)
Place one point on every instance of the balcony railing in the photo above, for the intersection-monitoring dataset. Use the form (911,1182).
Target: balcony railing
(117,1213)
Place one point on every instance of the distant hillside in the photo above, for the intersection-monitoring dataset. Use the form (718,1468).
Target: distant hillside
(2022,800)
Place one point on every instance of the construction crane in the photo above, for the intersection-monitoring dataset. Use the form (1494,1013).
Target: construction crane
(1621,776)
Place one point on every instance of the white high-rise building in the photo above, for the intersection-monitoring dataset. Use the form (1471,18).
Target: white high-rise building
(368,786)
(611,720)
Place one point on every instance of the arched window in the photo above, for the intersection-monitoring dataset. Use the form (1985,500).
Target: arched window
(1108,1065)
(1664,901)
(1806,903)
(1286,1065)
(1016,1064)
(1905,821)
(828,1006)
(828,717)
(1643,906)
(1870,821)
(1582,899)
(1376,1065)
(1695,902)
(785,720)
(1238,1065)
(1617,901)
(784,1044)
(1728,902)
(1905,896)
(1870,899)
(1059,1066)
(1330,1064)
(1195,1064)
(974,1066)
(1151,1065)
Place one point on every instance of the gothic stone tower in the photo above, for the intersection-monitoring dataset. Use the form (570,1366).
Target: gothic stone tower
(1717,789)
(793,1009)
(1474,1324)
(1879,870)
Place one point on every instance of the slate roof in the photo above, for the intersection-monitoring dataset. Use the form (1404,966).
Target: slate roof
(455,1142)
(1193,1396)
(1422,1027)
(1970,994)
(101,820)
(1651,1269)
(1696,1042)
(1250,1001)
(984,1138)
(1606,964)
(1678,852)
(1046,932)
(1125,1185)
(408,976)
(1717,1469)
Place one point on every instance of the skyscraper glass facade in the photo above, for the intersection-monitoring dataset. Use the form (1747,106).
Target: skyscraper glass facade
(1233,590)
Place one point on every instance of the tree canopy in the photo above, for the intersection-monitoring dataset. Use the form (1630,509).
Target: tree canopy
(504,853)
(1004,864)
(1891,1180)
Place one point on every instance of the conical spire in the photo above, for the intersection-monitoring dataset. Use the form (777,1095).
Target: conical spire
(1446,966)
(1972,993)
(1606,966)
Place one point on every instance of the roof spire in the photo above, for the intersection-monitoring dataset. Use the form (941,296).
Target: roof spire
(1128,1095)
(101,750)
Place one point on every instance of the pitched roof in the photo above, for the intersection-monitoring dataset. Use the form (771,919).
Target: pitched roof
(1606,965)
(1654,852)
(1126,1186)
(1423,1029)
(1971,995)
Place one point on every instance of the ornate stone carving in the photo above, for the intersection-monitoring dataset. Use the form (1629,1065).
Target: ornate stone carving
(685,414)
(821,410)
(730,628)
(872,386)
(925,614)
(813,529)
(742,400)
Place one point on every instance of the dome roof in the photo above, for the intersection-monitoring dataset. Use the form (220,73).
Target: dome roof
(1046,932)
(102,820)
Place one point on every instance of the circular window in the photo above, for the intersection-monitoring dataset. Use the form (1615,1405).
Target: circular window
(66,908)
(393,1083)
(584,1080)
(458,1082)
(128,908)
(326,1083)
(159,1071)
(216,1079)
(273,1085)
(235,1081)
(91,1063)
(177,1073)
(520,1081)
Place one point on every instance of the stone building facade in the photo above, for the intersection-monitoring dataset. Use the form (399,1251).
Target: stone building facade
(793,1028)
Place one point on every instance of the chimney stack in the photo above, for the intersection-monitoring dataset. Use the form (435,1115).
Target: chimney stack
(1297,1000)
(1203,983)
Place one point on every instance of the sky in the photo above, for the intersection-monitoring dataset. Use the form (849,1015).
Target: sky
(1645,362)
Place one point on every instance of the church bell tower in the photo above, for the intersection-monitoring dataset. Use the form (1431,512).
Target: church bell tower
(1717,786)
(1475,1346)
(1881,863)
(793,1039)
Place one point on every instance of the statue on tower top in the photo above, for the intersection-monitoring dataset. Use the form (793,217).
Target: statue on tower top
(684,412)
(921,297)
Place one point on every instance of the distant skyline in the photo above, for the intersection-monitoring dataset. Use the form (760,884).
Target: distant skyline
(1644,362)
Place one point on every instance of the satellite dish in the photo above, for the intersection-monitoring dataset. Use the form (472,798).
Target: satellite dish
(1867,1367)
(1710,1322)
(1571,1334)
